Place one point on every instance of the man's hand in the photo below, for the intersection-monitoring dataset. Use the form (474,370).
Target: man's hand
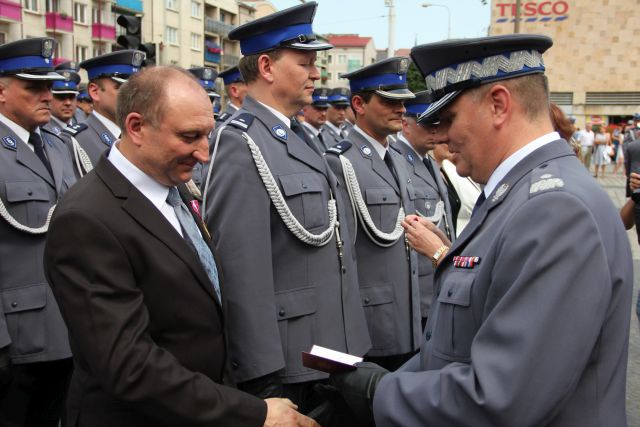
(358,388)
(5,370)
(282,413)
(423,236)
(634,181)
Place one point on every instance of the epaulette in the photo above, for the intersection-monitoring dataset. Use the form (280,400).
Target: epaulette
(223,117)
(75,129)
(50,131)
(242,121)
(340,148)
(544,178)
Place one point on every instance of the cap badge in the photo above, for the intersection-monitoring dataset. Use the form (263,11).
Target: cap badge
(47,48)
(207,74)
(404,66)
(137,59)
(279,132)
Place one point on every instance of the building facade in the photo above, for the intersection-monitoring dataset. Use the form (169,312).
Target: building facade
(350,53)
(592,64)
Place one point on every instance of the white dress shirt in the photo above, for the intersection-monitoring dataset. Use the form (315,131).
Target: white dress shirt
(111,127)
(154,191)
(20,132)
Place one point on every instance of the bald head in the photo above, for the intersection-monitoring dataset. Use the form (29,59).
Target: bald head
(149,92)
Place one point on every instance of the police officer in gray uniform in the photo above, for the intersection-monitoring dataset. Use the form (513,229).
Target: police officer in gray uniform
(106,74)
(431,199)
(35,171)
(278,221)
(333,130)
(375,179)
(236,90)
(531,322)
(315,116)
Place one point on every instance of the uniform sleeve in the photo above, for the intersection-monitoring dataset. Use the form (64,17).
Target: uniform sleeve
(238,214)
(543,315)
(107,319)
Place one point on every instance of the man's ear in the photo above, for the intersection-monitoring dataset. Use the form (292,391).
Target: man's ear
(134,128)
(265,64)
(358,104)
(501,101)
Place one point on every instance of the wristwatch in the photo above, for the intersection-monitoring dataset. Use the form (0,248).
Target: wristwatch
(441,251)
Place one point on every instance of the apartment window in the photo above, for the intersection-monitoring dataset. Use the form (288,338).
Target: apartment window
(195,9)
(31,5)
(196,41)
(342,59)
(172,35)
(52,5)
(96,15)
(99,49)
(80,13)
(3,38)
(172,4)
(81,52)
(223,17)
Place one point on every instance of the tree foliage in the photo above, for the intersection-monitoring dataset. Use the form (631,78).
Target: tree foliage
(414,79)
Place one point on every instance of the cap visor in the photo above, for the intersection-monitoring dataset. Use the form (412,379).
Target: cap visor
(438,105)
(118,79)
(46,76)
(213,95)
(396,94)
(312,45)
(64,92)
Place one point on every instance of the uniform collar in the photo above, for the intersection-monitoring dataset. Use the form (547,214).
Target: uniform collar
(286,120)
(408,144)
(154,191)
(332,127)
(111,127)
(59,122)
(20,132)
(311,128)
(380,149)
(503,169)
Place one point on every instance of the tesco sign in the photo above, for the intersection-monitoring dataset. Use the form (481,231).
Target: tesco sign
(532,11)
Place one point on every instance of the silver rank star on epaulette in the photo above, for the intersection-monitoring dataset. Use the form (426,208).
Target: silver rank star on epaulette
(547,182)
(465,261)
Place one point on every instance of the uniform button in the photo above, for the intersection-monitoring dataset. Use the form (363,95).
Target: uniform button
(304,185)
(14,304)
(29,192)
(413,272)
(235,365)
(384,199)
(437,294)
(281,312)
(344,270)
(428,336)
(449,292)
(367,300)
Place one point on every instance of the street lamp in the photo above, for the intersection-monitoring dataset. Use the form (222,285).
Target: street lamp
(448,14)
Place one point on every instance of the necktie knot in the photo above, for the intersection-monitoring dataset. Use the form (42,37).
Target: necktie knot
(173,198)
(479,202)
(35,139)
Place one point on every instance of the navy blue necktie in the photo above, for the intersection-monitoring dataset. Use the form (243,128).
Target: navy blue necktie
(193,236)
(38,149)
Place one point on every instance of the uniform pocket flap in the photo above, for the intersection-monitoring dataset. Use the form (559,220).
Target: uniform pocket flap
(376,295)
(20,191)
(295,303)
(381,196)
(457,289)
(299,183)
(22,299)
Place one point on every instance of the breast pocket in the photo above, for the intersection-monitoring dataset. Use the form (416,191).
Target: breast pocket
(379,311)
(23,309)
(455,327)
(28,201)
(295,311)
(383,204)
(424,201)
(306,196)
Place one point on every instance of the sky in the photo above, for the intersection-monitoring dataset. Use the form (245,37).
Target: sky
(469,18)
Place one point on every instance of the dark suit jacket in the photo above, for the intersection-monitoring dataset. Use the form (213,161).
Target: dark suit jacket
(145,328)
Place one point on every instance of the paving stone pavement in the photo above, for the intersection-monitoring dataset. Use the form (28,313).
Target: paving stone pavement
(614,185)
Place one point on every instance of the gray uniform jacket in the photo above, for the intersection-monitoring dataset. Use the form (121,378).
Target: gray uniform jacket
(226,114)
(281,295)
(427,193)
(388,276)
(329,136)
(535,331)
(30,321)
(93,137)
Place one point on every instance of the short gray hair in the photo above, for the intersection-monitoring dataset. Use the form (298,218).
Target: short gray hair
(145,93)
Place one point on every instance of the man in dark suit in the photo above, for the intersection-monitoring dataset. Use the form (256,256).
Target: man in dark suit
(142,297)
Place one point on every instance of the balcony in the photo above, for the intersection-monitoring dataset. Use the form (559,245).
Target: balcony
(133,5)
(101,31)
(211,57)
(10,10)
(230,60)
(59,22)
(217,27)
